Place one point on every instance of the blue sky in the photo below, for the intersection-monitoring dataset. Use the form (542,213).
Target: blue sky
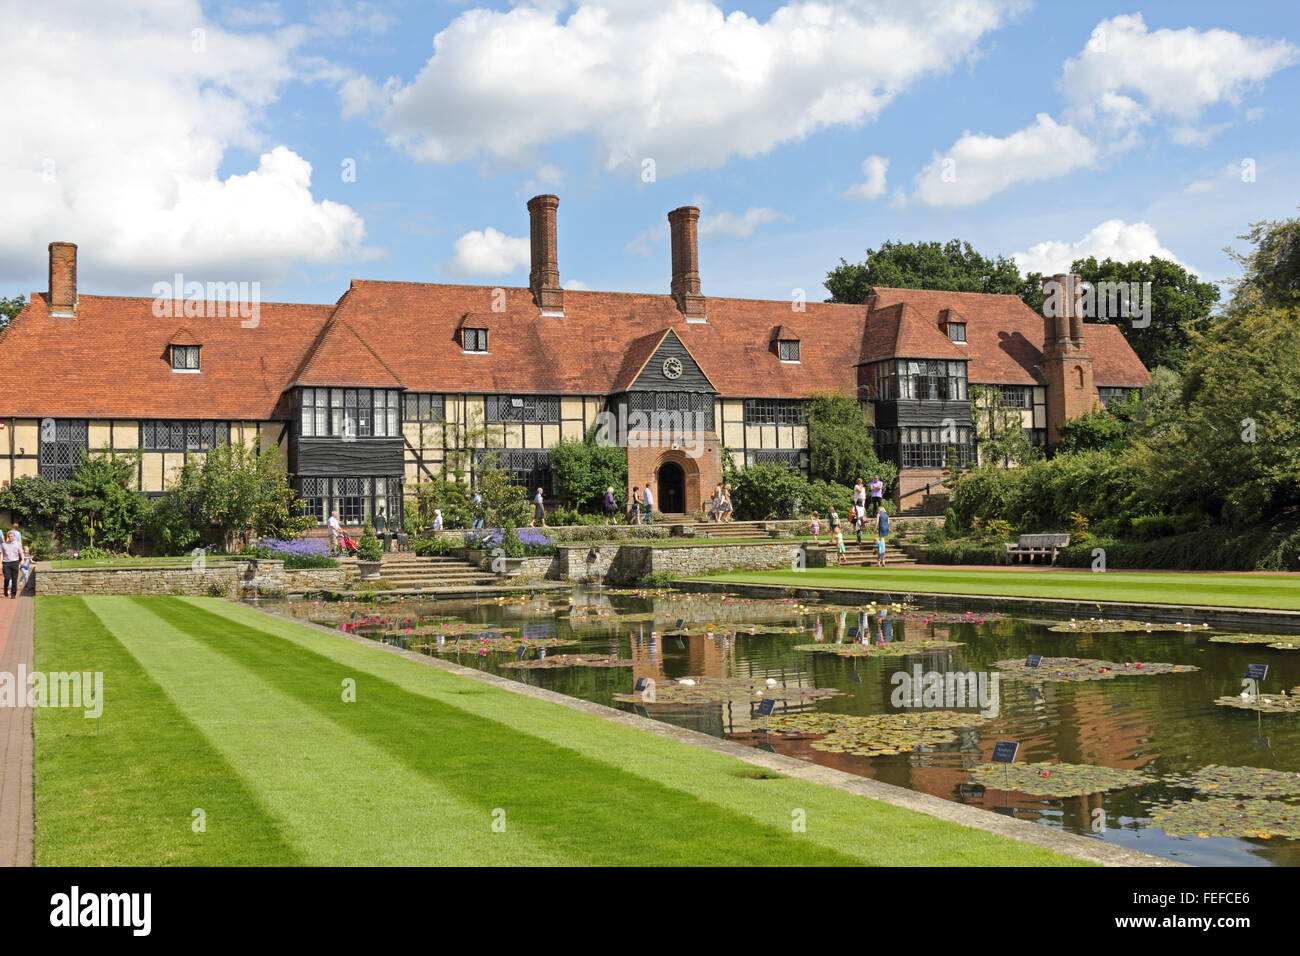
(1071,128)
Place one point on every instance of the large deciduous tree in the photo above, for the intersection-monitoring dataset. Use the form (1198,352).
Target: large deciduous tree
(951,266)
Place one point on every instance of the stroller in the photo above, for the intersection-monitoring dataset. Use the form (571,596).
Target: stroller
(346,542)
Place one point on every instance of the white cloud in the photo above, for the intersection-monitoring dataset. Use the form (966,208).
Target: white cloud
(1113,239)
(682,81)
(738,227)
(873,184)
(488,252)
(1174,72)
(1231,172)
(978,166)
(1124,79)
(117,141)
(575,285)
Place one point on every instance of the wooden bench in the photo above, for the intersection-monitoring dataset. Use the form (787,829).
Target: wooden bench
(1035,545)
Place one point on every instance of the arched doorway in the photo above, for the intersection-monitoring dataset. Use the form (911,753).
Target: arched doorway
(671,480)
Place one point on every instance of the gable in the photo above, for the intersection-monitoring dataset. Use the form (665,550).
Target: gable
(652,378)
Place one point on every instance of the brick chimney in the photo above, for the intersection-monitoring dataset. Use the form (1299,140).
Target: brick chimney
(683,224)
(544,278)
(1067,367)
(63,279)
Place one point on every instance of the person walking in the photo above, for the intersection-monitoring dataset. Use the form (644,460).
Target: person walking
(437,519)
(882,532)
(648,504)
(859,494)
(857,521)
(839,544)
(477,524)
(815,527)
(727,510)
(611,506)
(25,569)
(539,510)
(18,535)
(334,529)
(877,494)
(11,553)
(634,505)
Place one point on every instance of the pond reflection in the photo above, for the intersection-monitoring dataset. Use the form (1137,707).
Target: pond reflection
(1161,724)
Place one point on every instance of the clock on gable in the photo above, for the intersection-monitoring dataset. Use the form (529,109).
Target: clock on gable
(672,367)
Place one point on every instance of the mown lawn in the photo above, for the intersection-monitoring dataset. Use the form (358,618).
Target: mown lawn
(1277,592)
(134,562)
(217,708)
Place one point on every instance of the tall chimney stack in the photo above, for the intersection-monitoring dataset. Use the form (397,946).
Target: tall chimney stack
(684,226)
(63,279)
(544,278)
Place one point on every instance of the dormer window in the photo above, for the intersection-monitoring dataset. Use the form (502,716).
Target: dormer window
(475,340)
(787,344)
(185,358)
(957,332)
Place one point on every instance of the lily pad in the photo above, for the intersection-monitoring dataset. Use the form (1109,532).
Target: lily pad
(1229,817)
(1281,642)
(1247,781)
(1056,779)
(1101,625)
(892,649)
(707,690)
(506,642)
(555,661)
(1264,703)
(877,734)
(1081,669)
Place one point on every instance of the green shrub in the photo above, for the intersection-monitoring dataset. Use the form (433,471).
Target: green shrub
(297,562)
(437,547)
(369,548)
(511,546)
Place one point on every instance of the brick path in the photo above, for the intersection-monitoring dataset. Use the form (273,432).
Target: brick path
(16,742)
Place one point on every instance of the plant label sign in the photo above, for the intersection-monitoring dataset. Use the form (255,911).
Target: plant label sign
(680,622)
(1033,660)
(1004,751)
(641,684)
(766,706)
(1256,671)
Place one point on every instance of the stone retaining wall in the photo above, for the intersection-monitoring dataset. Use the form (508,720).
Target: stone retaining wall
(216,579)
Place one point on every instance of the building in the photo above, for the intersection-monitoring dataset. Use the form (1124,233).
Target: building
(398,382)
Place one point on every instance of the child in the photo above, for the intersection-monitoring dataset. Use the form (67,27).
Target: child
(880,551)
(815,526)
(839,545)
(24,569)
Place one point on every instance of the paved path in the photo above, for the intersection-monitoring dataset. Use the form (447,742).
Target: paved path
(17,822)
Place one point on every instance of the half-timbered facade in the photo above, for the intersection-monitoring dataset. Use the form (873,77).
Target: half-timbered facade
(402,382)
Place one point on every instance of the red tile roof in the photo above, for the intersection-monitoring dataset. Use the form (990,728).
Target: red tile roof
(1004,337)
(111,360)
(587,350)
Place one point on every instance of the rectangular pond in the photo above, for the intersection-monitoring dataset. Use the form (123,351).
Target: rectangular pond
(1132,724)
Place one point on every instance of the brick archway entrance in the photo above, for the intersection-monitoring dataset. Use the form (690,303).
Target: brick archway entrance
(698,475)
(671,481)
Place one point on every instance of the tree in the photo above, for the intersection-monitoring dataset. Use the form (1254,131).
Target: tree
(9,309)
(1233,449)
(952,266)
(110,509)
(503,503)
(999,430)
(1180,303)
(582,470)
(1272,270)
(39,503)
(1107,429)
(840,446)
